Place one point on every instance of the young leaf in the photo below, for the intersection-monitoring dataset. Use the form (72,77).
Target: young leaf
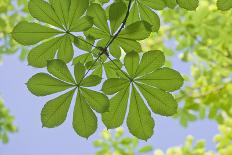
(188,4)
(44,12)
(91,81)
(131,63)
(55,111)
(117,14)
(136,31)
(24,33)
(117,111)
(61,9)
(99,17)
(160,101)
(97,101)
(39,55)
(139,120)
(43,84)
(79,72)
(60,70)
(164,78)
(84,119)
(151,61)
(155,4)
(65,51)
(113,85)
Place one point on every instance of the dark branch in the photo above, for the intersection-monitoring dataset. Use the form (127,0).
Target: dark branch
(122,26)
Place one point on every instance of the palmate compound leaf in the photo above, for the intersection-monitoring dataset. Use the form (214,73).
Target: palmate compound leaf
(144,77)
(129,36)
(67,16)
(55,111)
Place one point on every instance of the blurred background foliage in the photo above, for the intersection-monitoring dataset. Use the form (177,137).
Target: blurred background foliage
(11,12)
(202,38)
(6,123)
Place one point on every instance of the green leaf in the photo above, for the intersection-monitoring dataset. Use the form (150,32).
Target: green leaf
(43,84)
(139,120)
(224,5)
(131,63)
(163,78)
(170,3)
(113,85)
(44,12)
(39,55)
(160,101)
(134,14)
(84,119)
(146,149)
(117,111)
(76,10)
(128,45)
(61,9)
(150,62)
(31,33)
(188,4)
(90,81)
(115,50)
(99,17)
(111,69)
(79,72)
(150,16)
(155,4)
(97,101)
(59,69)
(117,14)
(83,58)
(55,111)
(137,31)
(65,51)
(83,24)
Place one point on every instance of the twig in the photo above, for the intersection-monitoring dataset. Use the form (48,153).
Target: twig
(122,26)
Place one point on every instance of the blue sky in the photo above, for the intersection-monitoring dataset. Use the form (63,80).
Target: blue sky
(32,139)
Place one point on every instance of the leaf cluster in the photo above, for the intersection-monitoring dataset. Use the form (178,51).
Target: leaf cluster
(109,38)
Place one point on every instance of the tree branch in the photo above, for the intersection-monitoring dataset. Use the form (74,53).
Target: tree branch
(122,26)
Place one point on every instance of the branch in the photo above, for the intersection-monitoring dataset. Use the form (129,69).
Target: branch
(122,26)
(104,49)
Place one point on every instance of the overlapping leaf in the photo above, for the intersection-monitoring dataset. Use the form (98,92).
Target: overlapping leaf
(55,111)
(148,78)
(224,4)
(66,16)
(127,39)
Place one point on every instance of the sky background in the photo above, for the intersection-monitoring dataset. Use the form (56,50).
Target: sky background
(32,139)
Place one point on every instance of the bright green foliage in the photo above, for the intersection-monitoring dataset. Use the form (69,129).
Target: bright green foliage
(111,38)
(117,144)
(151,81)
(209,53)
(6,123)
(189,148)
(67,16)
(9,16)
(55,111)
(224,139)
